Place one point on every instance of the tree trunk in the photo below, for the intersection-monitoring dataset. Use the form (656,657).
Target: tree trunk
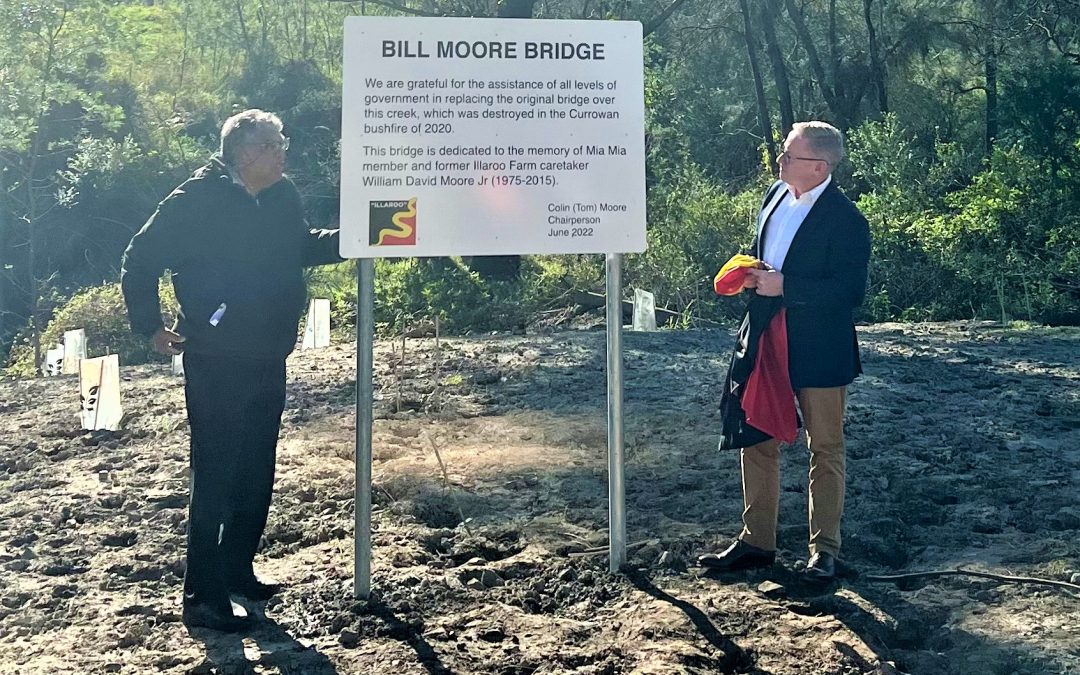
(876,66)
(264,29)
(243,29)
(655,23)
(991,66)
(32,215)
(769,11)
(305,47)
(764,122)
(5,327)
(32,211)
(31,245)
(816,69)
(834,56)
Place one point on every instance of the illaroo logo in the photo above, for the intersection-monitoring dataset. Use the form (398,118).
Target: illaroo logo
(392,223)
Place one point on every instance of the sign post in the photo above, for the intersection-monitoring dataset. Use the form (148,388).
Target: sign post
(365,342)
(616,455)
(472,137)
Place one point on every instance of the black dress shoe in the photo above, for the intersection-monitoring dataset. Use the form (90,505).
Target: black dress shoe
(821,567)
(253,589)
(214,617)
(738,556)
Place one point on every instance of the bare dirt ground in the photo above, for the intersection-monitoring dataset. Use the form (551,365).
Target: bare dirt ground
(964,449)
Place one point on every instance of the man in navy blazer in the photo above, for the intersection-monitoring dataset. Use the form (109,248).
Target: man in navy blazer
(817,248)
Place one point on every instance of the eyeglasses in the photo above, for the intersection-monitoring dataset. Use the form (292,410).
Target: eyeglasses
(282,145)
(787,157)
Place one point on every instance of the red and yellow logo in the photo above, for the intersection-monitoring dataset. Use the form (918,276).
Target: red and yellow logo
(392,223)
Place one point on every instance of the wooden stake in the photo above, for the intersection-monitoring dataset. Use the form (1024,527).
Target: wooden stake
(438,367)
(401,366)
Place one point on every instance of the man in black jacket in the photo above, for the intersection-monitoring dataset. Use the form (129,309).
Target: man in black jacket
(235,241)
(817,248)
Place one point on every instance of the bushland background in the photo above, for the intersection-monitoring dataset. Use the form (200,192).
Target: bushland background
(961,117)
(490,451)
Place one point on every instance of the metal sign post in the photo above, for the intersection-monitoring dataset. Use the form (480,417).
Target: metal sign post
(365,338)
(616,487)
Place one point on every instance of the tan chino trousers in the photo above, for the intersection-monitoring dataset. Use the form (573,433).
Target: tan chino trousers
(823,415)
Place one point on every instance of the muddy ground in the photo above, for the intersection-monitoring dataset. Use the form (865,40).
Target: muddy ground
(964,449)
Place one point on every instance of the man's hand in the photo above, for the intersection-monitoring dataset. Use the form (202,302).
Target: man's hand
(767,282)
(166,342)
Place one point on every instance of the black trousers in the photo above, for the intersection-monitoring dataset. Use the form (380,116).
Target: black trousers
(234,408)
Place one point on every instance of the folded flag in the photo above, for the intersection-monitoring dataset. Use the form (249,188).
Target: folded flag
(729,280)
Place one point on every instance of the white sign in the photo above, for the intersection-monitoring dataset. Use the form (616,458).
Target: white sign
(178,365)
(317,326)
(491,136)
(74,350)
(99,387)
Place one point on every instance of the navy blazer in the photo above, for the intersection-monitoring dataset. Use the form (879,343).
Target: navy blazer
(825,275)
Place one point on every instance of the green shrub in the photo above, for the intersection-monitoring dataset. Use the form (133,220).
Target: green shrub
(101,312)
(694,227)
(956,236)
(1011,240)
(421,288)
(412,290)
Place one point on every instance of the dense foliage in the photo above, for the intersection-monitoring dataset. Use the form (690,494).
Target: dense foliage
(963,120)
(99,310)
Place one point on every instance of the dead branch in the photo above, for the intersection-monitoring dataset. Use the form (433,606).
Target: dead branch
(602,550)
(592,300)
(446,481)
(662,17)
(959,571)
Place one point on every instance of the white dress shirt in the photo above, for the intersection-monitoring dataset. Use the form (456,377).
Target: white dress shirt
(785,221)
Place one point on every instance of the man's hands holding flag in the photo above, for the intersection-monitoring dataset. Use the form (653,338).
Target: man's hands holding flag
(743,271)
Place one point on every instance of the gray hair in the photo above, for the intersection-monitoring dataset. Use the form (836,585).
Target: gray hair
(824,139)
(241,127)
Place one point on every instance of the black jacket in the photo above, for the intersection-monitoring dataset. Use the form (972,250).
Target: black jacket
(824,283)
(224,246)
